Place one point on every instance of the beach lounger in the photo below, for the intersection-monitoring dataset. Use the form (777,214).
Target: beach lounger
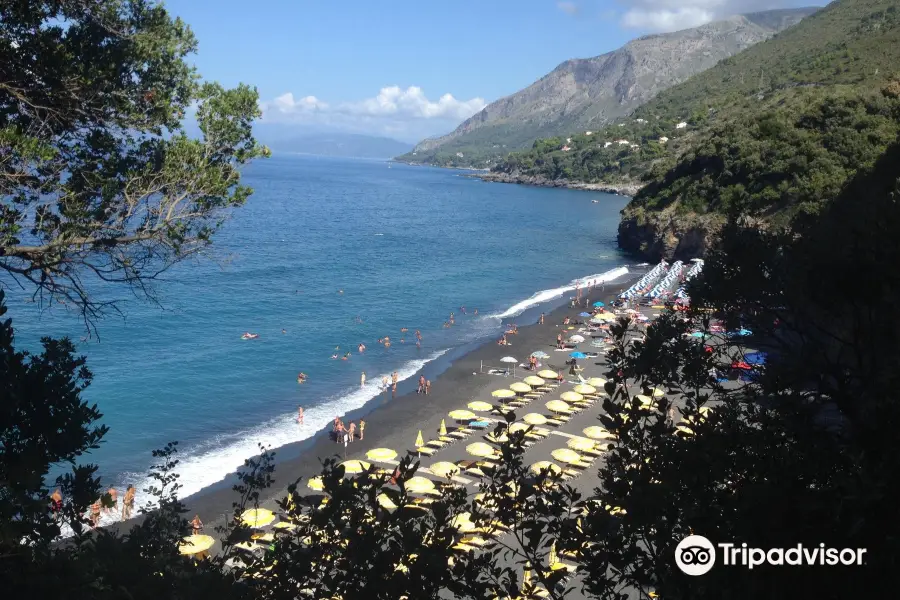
(447,439)
(459,435)
(555,422)
(437,444)
(426,451)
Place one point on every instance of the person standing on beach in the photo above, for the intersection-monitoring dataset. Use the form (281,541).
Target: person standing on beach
(670,416)
(362,429)
(362,379)
(196,525)
(385,382)
(340,432)
(300,415)
(542,319)
(418,335)
(95,513)
(128,503)
(56,504)
(421,388)
(352,432)
(395,378)
(114,498)
(427,386)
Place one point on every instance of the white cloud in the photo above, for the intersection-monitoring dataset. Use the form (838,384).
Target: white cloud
(569,8)
(672,15)
(393,111)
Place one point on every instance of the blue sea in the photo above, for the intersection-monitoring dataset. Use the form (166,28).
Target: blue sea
(406,245)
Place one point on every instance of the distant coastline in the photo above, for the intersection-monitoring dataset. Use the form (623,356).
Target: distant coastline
(621,189)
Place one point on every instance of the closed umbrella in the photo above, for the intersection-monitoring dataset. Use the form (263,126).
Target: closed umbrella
(558,406)
(571,396)
(584,388)
(534,381)
(444,469)
(503,393)
(194,544)
(257,517)
(535,419)
(463,415)
(381,454)
(520,387)
(545,465)
(480,406)
(419,440)
(596,381)
(443,428)
(355,466)
(480,449)
(547,374)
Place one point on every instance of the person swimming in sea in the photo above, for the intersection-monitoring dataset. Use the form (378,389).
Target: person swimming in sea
(300,415)
(476,311)
(361,347)
(334,357)
(301,378)
(346,356)
(418,335)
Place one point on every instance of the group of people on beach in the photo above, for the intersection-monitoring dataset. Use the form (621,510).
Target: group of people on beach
(99,507)
(424,385)
(345,434)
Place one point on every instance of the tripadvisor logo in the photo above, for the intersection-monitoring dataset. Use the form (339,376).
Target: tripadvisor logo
(696,555)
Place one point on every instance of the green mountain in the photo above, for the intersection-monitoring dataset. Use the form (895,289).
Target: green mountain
(585,94)
(769,134)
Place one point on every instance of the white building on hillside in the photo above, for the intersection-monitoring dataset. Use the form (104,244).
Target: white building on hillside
(607,144)
(588,133)
(681,125)
(663,140)
(640,121)
(623,142)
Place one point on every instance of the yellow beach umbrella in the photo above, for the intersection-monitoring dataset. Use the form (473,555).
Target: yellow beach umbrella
(315,484)
(419,485)
(257,517)
(558,406)
(194,544)
(606,317)
(443,429)
(463,522)
(385,502)
(545,465)
(497,439)
(444,469)
(547,374)
(657,392)
(596,432)
(462,415)
(520,426)
(535,419)
(534,381)
(355,466)
(480,406)
(583,388)
(503,394)
(565,455)
(571,396)
(596,382)
(419,441)
(552,559)
(381,454)
(285,526)
(642,399)
(480,449)
(520,387)
(685,430)
(580,443)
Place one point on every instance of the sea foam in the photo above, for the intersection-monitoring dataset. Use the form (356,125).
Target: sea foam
(545,295)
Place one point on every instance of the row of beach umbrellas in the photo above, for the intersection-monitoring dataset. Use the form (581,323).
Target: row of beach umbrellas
(695,270)
(666,282)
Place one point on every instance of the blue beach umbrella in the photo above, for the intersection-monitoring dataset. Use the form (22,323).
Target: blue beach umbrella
(740,332)
(578,355)
(584,314)
(698,334)
(598,304)
(756,358)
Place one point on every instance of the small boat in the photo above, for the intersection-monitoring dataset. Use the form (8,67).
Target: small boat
(595,201)
(249,336)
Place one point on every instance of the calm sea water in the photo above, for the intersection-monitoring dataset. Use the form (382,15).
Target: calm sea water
(407,245)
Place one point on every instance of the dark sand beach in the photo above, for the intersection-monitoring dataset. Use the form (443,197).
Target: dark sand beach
(394,420)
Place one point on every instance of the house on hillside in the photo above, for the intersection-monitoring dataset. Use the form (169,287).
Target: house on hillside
(681,125)
(621,124)
(635,146)
(459,154)
(622,142)
(663,140)
(565,148)
(607,144)
(640,121)
(588,133)
(568,140)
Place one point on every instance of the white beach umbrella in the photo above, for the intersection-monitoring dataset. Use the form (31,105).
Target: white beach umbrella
(576,339)
(508,359)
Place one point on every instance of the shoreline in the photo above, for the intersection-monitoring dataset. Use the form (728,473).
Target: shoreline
(393,419)
(625,189)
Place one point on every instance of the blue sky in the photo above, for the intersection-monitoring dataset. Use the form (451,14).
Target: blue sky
(412,69)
